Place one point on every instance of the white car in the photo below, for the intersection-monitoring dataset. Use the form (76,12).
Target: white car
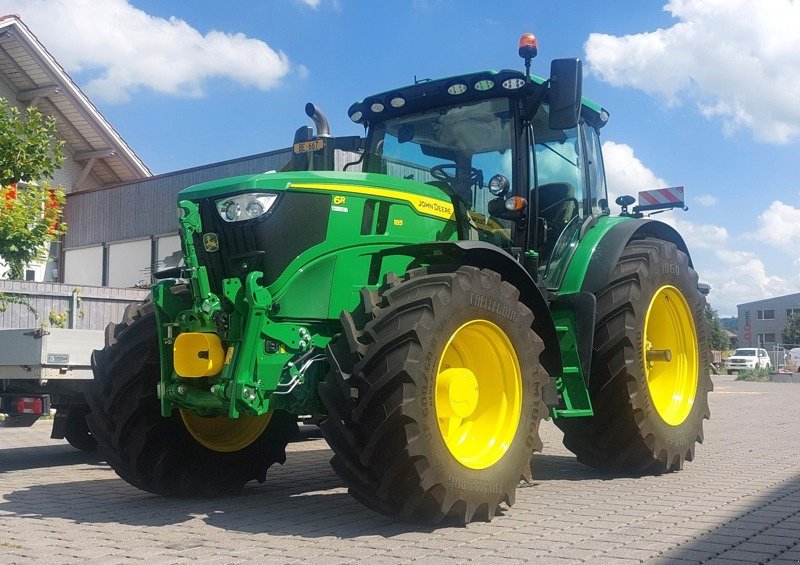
(747,358)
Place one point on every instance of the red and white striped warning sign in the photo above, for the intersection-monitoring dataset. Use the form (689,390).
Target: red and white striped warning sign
(671,195)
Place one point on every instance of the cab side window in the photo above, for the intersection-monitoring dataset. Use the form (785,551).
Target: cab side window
(596,181)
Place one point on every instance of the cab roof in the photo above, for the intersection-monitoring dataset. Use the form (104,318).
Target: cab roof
(470,87)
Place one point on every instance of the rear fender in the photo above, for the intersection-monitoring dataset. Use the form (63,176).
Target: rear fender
(608,250)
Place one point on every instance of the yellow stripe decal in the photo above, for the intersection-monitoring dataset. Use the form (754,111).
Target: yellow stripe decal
(422,204)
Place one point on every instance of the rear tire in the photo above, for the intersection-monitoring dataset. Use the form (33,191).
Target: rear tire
(402,442)
(76,431)
(158,454)
(638,428)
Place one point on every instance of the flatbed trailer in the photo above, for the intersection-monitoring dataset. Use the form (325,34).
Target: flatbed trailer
(43,369)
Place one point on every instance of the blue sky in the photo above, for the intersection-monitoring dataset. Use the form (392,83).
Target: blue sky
(702,93)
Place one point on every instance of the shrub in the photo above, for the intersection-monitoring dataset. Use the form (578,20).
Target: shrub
(760,375)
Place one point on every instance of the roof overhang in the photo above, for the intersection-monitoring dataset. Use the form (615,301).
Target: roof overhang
(38,80)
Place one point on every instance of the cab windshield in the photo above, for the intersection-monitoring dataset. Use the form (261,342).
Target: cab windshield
(456,148)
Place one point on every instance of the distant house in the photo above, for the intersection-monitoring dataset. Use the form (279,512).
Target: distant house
(733,339)
(761,321)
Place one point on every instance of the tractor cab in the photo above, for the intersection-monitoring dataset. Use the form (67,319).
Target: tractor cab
(522,173)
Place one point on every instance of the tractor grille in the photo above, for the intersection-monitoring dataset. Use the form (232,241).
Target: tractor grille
(296,222)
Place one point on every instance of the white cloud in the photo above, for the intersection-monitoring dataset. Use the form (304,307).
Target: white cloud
(736,275)
(311,3)
(736,60)
(706,200)
(744,278)
(698,236)
(625,173)
(779,226)
(122,49)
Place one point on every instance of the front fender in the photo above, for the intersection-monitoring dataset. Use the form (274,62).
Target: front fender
(487,256)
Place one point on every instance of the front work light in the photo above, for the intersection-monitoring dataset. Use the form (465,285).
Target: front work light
(498,185)
(245,206)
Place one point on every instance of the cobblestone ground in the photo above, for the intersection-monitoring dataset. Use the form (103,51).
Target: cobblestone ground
(739,501)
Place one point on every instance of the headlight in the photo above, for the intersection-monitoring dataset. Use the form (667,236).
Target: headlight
(245,206)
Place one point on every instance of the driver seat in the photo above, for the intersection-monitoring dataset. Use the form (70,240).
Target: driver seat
(556,207)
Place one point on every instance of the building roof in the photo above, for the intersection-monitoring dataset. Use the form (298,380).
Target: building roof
(766,301)
(39,80)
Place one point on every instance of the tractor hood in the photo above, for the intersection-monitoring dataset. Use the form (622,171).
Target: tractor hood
(326,180)
(427,200)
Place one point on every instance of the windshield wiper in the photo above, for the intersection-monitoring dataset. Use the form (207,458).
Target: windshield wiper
(560,155)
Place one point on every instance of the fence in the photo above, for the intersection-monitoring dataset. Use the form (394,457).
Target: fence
(785,357)
(64,305)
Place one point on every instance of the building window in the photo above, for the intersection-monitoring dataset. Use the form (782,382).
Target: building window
(129,263)
(30,275)
(766,338)
(792,312)
(84,266)
(766,314)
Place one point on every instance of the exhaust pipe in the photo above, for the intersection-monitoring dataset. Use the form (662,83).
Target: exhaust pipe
(319,119)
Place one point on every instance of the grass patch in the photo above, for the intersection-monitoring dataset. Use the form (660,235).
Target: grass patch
(759,375)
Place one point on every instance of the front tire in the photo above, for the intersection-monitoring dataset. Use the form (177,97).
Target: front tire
(435,396)
(650,381)
(162,455)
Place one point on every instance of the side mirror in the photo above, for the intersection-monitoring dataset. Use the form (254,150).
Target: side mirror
(566,79)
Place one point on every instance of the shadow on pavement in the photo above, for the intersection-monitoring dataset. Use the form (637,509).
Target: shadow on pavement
(765,527)
(58,455)
(303,497)
(564,468)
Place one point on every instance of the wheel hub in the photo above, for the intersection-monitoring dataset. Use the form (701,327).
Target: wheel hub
(478,394)
(671,356)
(460,386)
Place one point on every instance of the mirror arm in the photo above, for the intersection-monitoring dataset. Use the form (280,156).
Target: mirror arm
(530,105)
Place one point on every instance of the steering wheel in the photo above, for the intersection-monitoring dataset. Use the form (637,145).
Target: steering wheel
(441,172)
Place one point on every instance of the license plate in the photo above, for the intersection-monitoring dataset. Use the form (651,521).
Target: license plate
(308,146)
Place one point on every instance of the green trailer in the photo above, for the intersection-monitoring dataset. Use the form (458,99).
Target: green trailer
(429,310)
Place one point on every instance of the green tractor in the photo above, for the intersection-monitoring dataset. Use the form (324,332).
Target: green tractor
(429,311)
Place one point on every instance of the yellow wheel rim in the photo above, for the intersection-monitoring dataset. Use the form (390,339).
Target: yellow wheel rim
(225,434)
(478,394)
(670,355)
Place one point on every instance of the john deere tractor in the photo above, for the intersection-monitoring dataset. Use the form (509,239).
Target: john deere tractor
(457,282)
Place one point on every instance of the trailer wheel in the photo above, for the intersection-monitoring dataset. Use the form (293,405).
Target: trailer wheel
(434,399)
(76,431)
(161,455)
(649,381)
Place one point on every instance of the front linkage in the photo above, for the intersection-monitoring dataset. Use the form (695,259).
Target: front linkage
(264,364)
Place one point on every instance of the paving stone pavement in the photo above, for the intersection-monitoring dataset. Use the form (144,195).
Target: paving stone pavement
(738,502)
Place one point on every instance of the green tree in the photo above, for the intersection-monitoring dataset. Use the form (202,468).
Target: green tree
(29,216)
(790,334)
(718,338)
